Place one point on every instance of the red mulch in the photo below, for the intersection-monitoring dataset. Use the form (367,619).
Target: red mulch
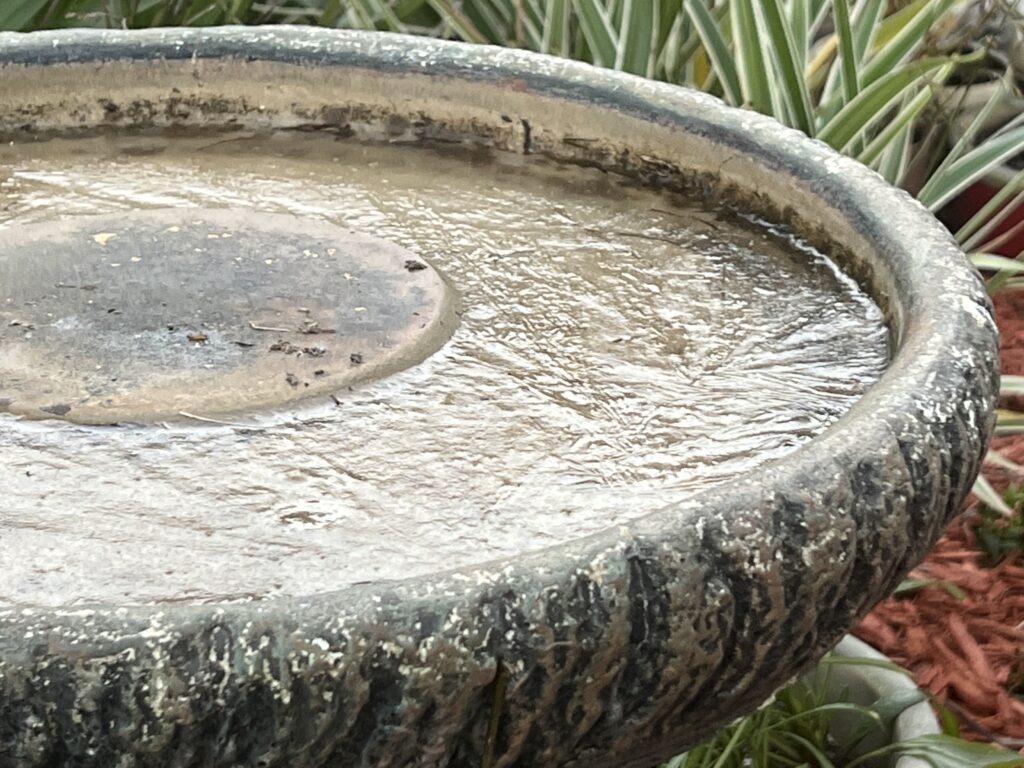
(970,652)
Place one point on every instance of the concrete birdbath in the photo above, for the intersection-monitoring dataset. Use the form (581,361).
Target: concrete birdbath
(369,400)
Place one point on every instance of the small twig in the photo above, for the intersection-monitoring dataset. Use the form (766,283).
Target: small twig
(216,421)
(268,328)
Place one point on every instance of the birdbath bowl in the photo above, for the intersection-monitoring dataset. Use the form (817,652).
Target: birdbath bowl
(373,400)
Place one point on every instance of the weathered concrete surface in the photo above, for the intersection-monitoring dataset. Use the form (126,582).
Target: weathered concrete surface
(616,650)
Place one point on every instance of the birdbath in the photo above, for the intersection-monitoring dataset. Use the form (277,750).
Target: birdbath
(372,400)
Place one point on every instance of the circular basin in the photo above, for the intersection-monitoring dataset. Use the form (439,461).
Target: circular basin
(369,400)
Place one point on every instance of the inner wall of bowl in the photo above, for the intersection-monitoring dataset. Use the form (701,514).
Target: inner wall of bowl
(506,114)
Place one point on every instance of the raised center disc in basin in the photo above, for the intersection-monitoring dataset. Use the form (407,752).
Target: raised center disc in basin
(157,315)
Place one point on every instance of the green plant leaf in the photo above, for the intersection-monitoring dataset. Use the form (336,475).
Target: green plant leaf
(778,46)
(800,21)
(968,139)
(861,662)
(891,706)
(994,263)
(904,120)
(990,497)
(813,749)
(896,157)
(458,21)
(497,22)
(973,166)
(871,104)
(899,37)
(636,36)
(866,24)
(947,719)
(907,39)
(1011,385)
(1010,422)
(15,16)
(717,50)
(555,38)
(909,586)
(944,751)
(993,213)
(598,30)
(847,50)
(996,458)
(749,58)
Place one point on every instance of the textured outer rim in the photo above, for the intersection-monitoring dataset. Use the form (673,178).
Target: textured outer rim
(617,649)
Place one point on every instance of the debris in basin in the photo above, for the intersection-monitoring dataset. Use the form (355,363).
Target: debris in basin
(257,327)
(311,327)
(285,346)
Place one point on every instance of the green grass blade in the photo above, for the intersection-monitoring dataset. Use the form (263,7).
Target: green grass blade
(778,44)
(871,104)
(597,29)
(717,50)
